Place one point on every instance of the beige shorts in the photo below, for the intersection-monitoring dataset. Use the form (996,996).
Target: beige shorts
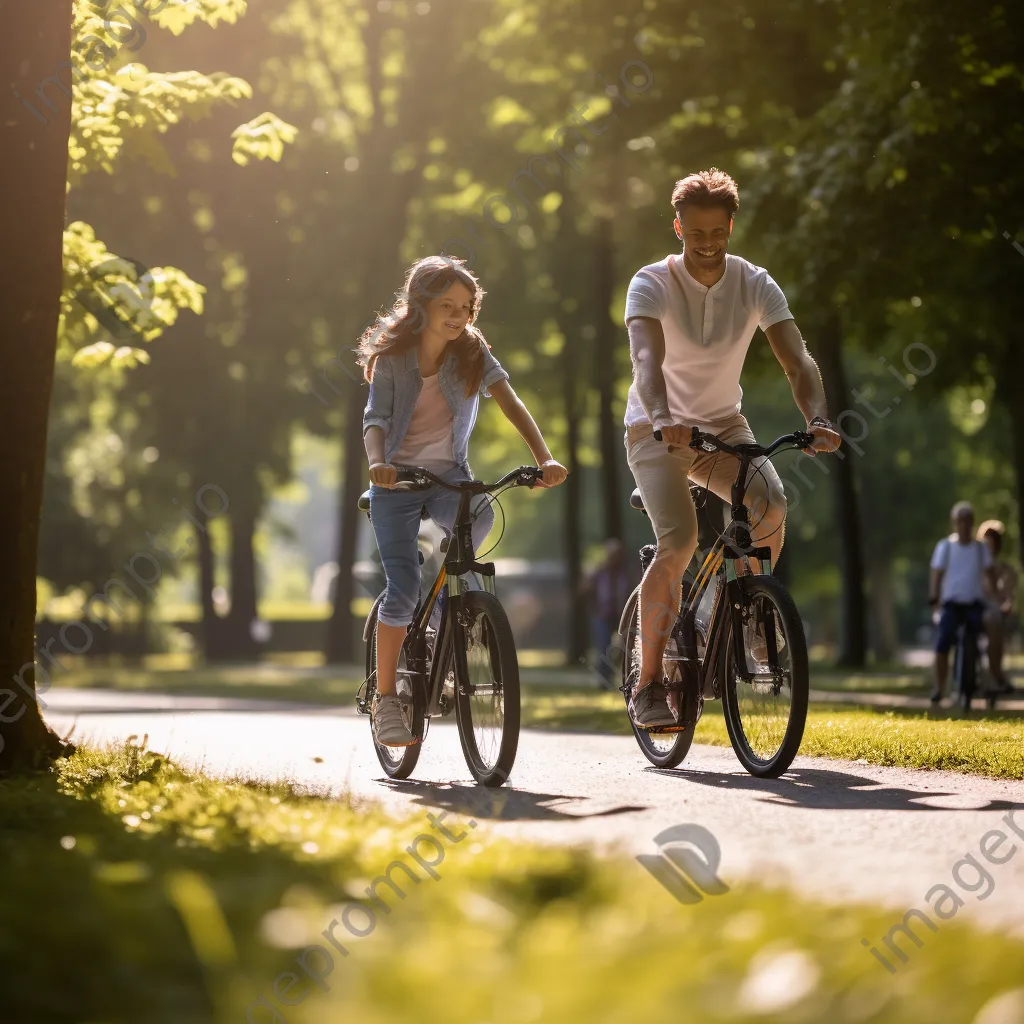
(664,477)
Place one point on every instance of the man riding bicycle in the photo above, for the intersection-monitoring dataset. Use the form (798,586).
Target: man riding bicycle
(960,565)
(691,318)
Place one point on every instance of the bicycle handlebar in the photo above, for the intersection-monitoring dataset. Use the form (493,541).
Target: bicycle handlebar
(524,476)
(702,441)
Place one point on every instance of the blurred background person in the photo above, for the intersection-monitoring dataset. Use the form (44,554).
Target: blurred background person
(607,587)
(999,603)
(961,573)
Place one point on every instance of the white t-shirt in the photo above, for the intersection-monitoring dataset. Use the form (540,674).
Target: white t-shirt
(964,565)
(428,441)
(707,333)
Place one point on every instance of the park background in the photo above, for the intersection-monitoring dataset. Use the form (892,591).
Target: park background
(219,195)
(271,171)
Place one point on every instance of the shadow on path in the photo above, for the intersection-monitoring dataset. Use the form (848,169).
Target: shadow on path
(830,790)
(501,804)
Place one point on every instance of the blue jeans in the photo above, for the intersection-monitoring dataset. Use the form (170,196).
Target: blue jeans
(395,516)
(953,613)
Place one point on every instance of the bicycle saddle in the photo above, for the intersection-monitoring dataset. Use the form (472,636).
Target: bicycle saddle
(637,502)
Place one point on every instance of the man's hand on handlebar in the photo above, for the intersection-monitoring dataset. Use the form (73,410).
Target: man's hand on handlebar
(675,434)
(552,473)
(826,437)
(383,475)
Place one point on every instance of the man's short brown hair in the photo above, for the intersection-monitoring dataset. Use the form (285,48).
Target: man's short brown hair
(706,189)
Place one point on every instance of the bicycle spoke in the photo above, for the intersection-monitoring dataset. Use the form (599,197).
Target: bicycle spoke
(765,702)
(484,692)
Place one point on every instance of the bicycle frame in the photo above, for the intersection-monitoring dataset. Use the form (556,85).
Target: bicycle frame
(460,558)
(725,554)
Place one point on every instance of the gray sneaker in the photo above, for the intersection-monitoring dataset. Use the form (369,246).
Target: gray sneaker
(389,725)
(649,708)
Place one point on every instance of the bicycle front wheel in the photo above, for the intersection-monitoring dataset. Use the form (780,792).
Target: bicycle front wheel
(765,712)
(487,689)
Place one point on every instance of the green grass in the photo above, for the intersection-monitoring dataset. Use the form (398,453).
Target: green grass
(992,746)
(135,891)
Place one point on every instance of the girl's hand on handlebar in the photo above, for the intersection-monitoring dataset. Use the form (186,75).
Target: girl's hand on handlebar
(383,474)
(552,473)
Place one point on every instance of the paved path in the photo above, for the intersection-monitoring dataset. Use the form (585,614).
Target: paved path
(835,829)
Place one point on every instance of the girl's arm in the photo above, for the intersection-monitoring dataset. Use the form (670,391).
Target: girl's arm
(376,417)
(519,416)
(381,473)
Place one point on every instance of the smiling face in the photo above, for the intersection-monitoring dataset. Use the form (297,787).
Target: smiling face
(704,231)
(449,313)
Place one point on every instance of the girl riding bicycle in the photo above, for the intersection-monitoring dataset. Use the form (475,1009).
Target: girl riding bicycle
(427,365)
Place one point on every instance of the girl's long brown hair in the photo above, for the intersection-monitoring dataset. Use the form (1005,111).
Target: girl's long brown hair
(399,329)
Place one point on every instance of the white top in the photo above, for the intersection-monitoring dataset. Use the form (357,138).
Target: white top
(707,334)
(428,441)
(963,565)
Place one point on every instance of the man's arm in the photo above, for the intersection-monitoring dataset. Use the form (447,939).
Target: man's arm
(804,379)
(935,586)
(647,350)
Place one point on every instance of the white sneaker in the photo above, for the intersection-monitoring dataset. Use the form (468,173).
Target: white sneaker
(389,725)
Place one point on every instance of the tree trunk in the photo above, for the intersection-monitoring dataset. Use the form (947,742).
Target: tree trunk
(609,429)
(1012,365)
(379,272)
(240,644)
(211,623)
(340,633)
(853,625)
(567,282)
(576,641)
(35,39)
(884,634)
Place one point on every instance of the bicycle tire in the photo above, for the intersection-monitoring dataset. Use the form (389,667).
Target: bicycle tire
(767,587)
(397,762)
(487,626)
(670,751)
(967,664)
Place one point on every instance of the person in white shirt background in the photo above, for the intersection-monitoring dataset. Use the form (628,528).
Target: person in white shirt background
(961,567)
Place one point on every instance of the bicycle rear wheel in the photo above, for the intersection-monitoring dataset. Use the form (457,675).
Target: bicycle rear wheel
(397,762)
(487,689)
(662,749)
(765,716)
